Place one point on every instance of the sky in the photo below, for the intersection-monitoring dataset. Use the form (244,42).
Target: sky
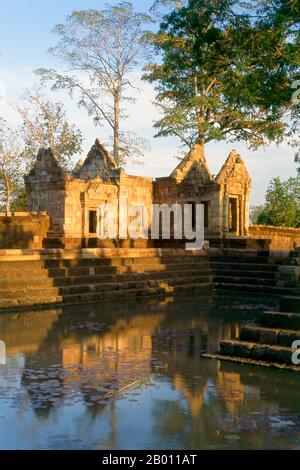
(26,35)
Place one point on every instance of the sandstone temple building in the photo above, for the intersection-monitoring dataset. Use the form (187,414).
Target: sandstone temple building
(71,200)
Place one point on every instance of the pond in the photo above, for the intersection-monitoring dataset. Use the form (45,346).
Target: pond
(130,376)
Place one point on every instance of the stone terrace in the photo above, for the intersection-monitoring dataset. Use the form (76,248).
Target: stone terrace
(47,277)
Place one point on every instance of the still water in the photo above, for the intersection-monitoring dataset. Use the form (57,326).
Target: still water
(130,376)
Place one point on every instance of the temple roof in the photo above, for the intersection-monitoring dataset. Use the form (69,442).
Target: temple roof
(46,167)
(193,166)
(234,167)
(98,163)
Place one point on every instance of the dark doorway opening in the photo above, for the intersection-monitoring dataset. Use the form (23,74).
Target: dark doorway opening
(93,222)
(233,214)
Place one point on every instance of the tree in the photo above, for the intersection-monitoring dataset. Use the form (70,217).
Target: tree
(287,11)
(19,199)
(285,14)
(256,214)
(225,73)
(100,48)
(161,4)
(44,124)
(282,206)
(12,164)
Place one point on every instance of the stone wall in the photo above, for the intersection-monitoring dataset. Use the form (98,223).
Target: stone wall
(46,189)
(72,199)
(23,230)
(281,238)
(225,197)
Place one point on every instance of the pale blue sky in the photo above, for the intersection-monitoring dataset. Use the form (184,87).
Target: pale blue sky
(25,36)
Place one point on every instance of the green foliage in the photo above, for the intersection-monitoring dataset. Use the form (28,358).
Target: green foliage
(282,206)
(12,165)
(264,219)
(19,200)
(100,49)
(285,14)
(44,124)
(256,215)
(160,5)
(225,72)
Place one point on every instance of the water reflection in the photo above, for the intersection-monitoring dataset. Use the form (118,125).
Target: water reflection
(131,376)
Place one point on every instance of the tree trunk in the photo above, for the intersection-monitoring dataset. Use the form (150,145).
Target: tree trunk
(7,201)
(201,147)
(117,129)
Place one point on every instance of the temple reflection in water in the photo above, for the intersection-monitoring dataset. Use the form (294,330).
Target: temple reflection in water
(98,358)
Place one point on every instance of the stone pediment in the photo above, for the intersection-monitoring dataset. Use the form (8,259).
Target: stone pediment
(99,163)
(234,171)
(46,167)
(193,168)
(197,173)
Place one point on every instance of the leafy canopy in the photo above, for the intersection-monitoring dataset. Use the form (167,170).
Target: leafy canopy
(282,207)
(12,165)
(44,124)
(224,72)
(100,50)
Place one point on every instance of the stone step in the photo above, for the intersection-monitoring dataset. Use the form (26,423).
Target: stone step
(30,283)
(254,351)
(24,274)
(29,301)
(244,274)
(36,273)
(290,321)
(240,259)
(98,262)
(32,292)
(263,335)
(124,261)
(234,279)
(17,265)
(74,299)
(220,266)
(290,304)
(100,278)
(137,284)
(133,293)
(291,262)
(294,254)
(52,292)
(256,288)
(88,271)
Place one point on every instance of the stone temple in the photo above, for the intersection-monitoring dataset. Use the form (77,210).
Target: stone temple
(71,200)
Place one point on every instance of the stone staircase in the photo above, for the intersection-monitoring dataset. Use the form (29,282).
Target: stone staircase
(58,276)
(251,271)
(267,344)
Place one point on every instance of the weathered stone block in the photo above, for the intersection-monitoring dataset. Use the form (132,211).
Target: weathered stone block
(268,336)
(286,338)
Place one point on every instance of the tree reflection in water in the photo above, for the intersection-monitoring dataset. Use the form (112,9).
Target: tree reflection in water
(137,366)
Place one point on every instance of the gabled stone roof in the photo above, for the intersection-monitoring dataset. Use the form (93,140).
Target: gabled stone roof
(46,167)
(99,163)
(235,168)
(193,167)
